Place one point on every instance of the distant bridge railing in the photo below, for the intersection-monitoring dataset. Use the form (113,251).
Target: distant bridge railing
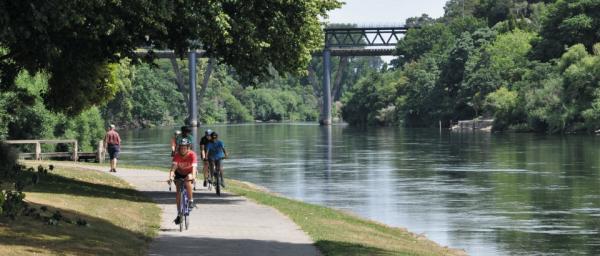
(365,37)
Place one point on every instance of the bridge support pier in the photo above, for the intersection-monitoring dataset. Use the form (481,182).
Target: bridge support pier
(326,111)
(193,107)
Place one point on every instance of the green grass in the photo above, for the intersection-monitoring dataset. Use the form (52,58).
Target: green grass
(121,220)
(339,233)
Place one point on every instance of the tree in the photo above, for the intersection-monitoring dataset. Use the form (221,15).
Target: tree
(74,42)
(367,99)
(566,23)
(459,8)
(420,21)
(499,10)
(504,104)
(417,42)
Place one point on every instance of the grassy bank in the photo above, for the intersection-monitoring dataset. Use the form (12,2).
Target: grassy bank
(120,221)
(339,233)
(334,232)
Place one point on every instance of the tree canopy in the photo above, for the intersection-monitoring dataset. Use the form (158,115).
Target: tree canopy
(75,41)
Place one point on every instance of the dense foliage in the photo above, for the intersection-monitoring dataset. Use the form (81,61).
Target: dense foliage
(14,178)
(75,42)
(148,95)
(531,65)
(24,116)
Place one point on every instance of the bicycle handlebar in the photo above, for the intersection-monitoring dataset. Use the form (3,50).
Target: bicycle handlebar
(179,179)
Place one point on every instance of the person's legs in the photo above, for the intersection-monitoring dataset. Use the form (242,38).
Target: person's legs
(113,153)
(177,195)
(113,164)
(114,161)
(188,187)
(211,168)
(205,170)
(219,166)
(177,200)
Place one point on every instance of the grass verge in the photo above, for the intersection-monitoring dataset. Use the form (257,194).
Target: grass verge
(339,233)
(121,220)
(334,232)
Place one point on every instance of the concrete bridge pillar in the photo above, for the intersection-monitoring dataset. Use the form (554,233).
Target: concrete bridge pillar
(193,107)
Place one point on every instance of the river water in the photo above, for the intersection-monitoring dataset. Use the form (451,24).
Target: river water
(490,194)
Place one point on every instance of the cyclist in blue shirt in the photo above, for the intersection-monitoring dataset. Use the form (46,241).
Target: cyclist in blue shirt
(216,152)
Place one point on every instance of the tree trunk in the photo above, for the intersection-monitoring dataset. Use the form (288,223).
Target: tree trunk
(337,84)
(312,78)
(178,75)
(207,73)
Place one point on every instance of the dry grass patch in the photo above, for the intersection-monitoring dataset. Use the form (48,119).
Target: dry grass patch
(120,220)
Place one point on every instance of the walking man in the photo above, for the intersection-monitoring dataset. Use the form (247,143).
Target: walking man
(112,145)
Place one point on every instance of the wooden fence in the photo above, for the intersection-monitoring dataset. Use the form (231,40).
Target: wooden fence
(74,155)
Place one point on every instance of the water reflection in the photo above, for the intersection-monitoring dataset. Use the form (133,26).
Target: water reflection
(328,138)
(492,194)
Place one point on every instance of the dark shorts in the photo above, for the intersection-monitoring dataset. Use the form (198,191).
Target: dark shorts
(180,176)
(113,151)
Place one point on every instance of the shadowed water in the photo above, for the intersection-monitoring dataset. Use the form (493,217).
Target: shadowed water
(491,194)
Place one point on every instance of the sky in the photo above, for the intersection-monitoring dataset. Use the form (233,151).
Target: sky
(385,12)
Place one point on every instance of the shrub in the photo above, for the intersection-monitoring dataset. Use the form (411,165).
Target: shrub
(14,178)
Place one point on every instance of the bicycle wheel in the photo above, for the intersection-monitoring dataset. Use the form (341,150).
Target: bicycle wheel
(217,183)
(187,222)
(182,205)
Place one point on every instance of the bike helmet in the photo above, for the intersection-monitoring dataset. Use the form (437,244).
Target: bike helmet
(208,132)
(185,142)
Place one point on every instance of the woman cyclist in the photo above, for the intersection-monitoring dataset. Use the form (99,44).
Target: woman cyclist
(184,167)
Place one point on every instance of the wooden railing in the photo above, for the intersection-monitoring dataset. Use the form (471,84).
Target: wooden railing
(74,155)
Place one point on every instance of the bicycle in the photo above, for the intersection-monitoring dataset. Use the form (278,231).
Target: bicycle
(183,211)
(214,176)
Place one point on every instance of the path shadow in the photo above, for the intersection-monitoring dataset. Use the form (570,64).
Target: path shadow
(178,245)
(168,197)
(56,184)
(348,249)
(99,238)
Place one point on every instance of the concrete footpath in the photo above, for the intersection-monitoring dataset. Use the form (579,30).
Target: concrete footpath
(225,225)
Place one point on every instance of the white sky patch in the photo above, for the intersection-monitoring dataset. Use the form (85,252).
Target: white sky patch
(384,12)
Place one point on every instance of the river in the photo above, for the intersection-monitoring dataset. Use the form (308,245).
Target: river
(490,194)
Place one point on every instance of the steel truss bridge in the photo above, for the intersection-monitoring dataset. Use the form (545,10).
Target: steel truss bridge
(364,41)
(351,41)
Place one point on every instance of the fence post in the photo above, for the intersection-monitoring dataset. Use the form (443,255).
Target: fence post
(100,152)
(38,151)
(75,149)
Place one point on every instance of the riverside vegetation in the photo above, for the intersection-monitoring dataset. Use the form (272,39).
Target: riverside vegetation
(531,65)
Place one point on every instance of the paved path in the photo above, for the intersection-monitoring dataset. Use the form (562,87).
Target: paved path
(226,225)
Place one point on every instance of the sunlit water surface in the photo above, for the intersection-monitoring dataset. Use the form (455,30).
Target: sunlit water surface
(490,194)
